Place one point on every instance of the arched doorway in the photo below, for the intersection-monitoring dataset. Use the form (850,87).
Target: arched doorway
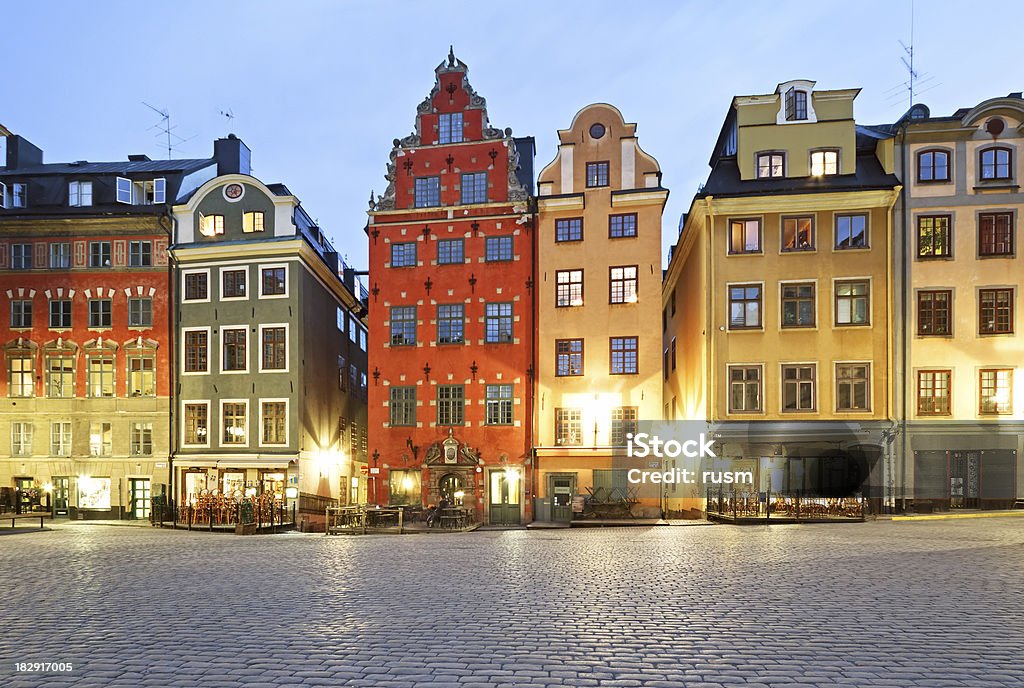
(451,488)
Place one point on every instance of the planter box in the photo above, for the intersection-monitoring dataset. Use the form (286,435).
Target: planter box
(245,529)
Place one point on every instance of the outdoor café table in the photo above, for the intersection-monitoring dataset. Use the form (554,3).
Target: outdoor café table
(454,517)
(382,518)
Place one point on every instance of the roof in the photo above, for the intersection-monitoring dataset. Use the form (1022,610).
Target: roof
(724,180)
(123,167)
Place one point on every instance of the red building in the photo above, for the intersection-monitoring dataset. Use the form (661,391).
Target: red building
(451,311)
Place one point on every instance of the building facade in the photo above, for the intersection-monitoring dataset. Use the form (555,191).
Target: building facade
(778,319)
(271,351)
(84,281)
(599,207)
(451,311)
(963,386)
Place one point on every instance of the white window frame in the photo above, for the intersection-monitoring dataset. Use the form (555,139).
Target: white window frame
(209,353)
(259,274)
(66,448)
(202,219)
(159,190)
(870,390)
(287,348)
(3,195)
(223,272)
(19,200)
(287,418)
(362,338)
(124,190)
(824,163)
(24,439)
(132,426)
(77,194)
(220,425)
(209,288)
(248,349)
(184,424)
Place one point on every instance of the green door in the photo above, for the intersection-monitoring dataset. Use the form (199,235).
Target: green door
(504,497)
(560,487)
(139,506)
(61,495)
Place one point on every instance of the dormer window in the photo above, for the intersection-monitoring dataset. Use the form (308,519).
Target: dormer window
(933,166)
(996,163)
(152,192)
(824,163)
(449,128)
(79,194)
(796,105)
(770,165)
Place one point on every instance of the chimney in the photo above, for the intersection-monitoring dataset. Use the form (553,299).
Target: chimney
(21,153)
(231,155)
(348,277)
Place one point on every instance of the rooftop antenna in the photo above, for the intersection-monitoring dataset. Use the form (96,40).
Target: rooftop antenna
(908,59)
(165,129)
(230,115)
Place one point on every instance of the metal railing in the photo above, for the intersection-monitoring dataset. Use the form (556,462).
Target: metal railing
(739,505)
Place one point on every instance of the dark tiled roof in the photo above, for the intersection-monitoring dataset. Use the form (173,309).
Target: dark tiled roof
(123,167)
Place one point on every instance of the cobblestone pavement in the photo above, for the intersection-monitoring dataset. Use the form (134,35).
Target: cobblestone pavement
(932,604)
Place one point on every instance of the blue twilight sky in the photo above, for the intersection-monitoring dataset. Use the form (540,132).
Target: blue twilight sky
(319,89)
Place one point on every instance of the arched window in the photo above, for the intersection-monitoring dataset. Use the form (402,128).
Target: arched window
(933,166)
(796,105)
(996,163)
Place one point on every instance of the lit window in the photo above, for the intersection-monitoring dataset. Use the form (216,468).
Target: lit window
(141,375)
(995,389)
(824,163)
(141,437)
(101,439)
(798,233)
(234,416)
(100,373)
(933,239)
(568,288)
(252,221)
(197,417)
(623,284)
(624,423)
(745,236)
(568,426)
(275,422)
(60,375)
(211,225)
(770,165)
(20,374)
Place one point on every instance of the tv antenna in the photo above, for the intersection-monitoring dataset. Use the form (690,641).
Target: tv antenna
(915,79)
(229,114)
(165,130)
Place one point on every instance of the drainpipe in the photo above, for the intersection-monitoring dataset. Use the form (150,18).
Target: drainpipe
(534,359)
(172,318)
(904,291)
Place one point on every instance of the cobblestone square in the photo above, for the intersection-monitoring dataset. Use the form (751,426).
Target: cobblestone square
(932,604)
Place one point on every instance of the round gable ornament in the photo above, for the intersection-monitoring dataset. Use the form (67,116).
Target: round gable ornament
(233,192)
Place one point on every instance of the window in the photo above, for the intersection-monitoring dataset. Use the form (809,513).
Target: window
(233,415)
(568,357)
(623,356)
(196,286)
(99,254)
(449,127)
(672,353)
(933,392)
(100,439)
(744,389)
(451,251)
(996,163)
(99,313)
(995,234)
(620,226)
(499,404)
(824,163)
(427,192)
(60,438)
(233,284)
(852,301)
(124,190)
(933,313)
(798,233)
(275,348)
(197,423)
(273,281)
(211,225)
(624,424)
(60,255)
(744,306)
(20,374)
(450,323)
(568,426)
(498,323)
(21,313)
(145,192)
(933,166)
(353,330)
(798,388)
(234,349)
(995,311)
(160,190)
(796,105)
(623,284)
(140,254)
(252,221)
(402,405)
(798,305)
(141,439)
(275,422)
(141,375)
(60,375)
(853,386)
(498,249)
(568,288)
(570,229)
(100,374)
(451,404)
(405,487)
(745,236)
(140,312)
(403,325)
(851,231)
(21,438)
(403,254)
(770,165)
(21,257)
(474,187)
(196,351)
(60,313)
(995,388)
(79,194)
(597,174)
(933,239)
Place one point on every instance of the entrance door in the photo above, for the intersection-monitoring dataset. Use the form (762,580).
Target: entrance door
(140,490)
(560,487)
(61,495)
(964,470)
(504,499)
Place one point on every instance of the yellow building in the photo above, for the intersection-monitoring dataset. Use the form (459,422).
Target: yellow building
(777,299)
(598,278)
(964,387)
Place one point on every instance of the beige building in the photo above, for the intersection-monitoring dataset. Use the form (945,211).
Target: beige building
(598,279)
(777,313)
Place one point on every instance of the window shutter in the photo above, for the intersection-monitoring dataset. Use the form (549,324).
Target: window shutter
(3,195)
(159,190)
(124,190)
